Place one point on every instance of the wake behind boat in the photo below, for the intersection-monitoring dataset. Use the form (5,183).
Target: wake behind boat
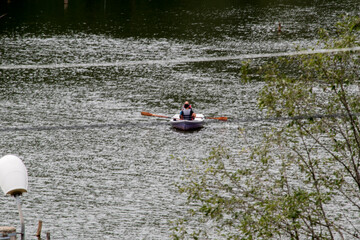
(185,125)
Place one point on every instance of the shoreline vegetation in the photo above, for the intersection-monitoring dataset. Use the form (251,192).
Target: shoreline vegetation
(303,180)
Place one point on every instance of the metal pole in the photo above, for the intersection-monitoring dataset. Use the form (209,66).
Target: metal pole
(18,203)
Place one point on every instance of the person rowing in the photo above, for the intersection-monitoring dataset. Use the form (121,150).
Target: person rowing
(187,113)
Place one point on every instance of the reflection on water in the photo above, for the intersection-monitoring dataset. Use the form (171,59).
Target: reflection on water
(97,167)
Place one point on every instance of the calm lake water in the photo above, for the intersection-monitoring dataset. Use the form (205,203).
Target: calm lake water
(97,168)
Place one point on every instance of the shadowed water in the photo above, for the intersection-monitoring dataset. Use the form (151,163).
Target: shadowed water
(74,79)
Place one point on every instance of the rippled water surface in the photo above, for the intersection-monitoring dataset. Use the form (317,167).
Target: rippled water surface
(97,167)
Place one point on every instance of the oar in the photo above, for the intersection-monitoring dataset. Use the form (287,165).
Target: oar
(218,118)
(153,115)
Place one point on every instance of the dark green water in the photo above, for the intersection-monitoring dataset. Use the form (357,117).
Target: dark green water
(97,167)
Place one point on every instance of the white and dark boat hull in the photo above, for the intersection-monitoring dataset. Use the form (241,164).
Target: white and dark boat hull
(185,125)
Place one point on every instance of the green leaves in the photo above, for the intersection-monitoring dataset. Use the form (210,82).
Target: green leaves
(289,185)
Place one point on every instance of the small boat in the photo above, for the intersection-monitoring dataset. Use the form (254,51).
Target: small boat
(185,125)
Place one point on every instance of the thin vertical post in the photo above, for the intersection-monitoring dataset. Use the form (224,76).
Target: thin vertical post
(18,203)
(38,232)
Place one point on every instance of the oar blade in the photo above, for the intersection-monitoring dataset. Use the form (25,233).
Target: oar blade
(153,115)
(146,114)
(218,118)
(222,118)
